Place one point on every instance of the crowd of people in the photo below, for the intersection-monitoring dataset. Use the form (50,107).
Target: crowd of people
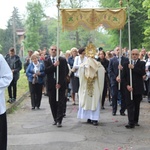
(90,74)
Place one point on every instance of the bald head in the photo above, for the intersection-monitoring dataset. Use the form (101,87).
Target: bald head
(135,54)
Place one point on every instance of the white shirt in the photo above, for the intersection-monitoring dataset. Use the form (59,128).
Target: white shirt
(146,67)
(5,79)
(77,62)
(53,58)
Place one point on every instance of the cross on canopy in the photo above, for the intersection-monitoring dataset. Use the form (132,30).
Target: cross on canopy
(93,18)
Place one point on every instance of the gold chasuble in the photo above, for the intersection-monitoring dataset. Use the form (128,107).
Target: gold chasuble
(91,77)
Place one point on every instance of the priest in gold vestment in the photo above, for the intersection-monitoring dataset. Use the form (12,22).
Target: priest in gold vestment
(91,78)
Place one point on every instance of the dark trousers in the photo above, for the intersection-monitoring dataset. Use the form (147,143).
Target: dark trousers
(12,89)
(133,108)
(3,132)
(114,93)
(104,92)
(57,107)
(36,94)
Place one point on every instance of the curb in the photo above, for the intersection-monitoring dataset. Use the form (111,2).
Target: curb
(10,107)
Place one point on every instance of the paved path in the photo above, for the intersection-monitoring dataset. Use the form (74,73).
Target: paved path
(33,130)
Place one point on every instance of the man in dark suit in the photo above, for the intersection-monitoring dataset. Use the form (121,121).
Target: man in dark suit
(137,88)
(51,66)
(113,72)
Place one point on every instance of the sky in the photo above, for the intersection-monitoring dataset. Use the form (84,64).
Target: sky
(6,9)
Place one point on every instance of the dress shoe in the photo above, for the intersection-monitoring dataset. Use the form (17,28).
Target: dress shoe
(59,124)
(128,126)
(114,114)
(64,115)
(136,124)
(54,123)
(102,107)
(122,114)
(33,108)
(10,100)
(74,103)
(89,121)
(13,99)
(95,123)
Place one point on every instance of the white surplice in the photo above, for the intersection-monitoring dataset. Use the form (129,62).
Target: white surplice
(89,105)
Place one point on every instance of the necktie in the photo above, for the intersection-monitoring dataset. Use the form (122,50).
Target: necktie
(53,60)
(134,62)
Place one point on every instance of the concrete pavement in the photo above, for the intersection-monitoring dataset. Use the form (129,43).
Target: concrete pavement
(33,130)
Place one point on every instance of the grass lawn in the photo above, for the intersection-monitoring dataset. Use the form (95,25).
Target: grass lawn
(22,85)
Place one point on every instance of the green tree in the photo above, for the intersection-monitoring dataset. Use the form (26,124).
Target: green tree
(137,17)
(44,42)
(33,23)
(2,40)
(0,48)
(8,34)
(146,43)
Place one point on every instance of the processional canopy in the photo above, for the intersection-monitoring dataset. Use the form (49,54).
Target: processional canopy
(93,18)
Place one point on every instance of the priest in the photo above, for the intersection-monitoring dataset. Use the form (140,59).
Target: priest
(91,78)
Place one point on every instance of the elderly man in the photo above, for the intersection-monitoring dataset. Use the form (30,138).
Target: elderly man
(133,105)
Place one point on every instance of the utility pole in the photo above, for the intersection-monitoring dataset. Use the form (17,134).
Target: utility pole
(14,30)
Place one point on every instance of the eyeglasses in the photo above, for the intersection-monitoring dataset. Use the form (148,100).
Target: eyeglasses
(135,54)
(53,49)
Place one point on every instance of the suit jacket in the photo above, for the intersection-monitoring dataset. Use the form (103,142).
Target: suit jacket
(137,77)
(50,70)
(113,68)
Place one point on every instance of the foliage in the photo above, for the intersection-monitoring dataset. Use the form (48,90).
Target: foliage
(146,43)
(2,40)
(44,42)
(0,48)
(33,23)
(7,39)
(137,27)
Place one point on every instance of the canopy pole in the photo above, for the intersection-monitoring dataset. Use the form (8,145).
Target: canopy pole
(129,36)
(120,53)
(58,32)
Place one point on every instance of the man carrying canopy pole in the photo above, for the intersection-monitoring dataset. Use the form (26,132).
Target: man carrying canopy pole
(56,69)
(137,69)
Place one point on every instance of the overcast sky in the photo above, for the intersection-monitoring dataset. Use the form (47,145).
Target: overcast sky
(6,9)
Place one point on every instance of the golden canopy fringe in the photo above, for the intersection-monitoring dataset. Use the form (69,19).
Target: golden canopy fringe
(93,18)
